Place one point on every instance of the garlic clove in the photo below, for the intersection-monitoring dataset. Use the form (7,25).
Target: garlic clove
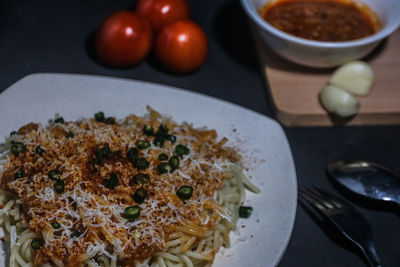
(339,101)
(356,77)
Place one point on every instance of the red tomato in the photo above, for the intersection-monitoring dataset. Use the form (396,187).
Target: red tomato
(162,12)
(181,46)
(123,39)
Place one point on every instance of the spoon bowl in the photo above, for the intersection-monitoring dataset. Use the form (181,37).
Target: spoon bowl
(368,179)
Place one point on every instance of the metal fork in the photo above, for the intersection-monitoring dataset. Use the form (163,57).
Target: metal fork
(345,218)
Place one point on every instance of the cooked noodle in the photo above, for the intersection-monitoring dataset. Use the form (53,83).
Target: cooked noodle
(188,245)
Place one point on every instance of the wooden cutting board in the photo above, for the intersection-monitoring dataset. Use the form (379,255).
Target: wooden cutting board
(294,89)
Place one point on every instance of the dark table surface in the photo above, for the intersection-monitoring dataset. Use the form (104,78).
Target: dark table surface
(56,36)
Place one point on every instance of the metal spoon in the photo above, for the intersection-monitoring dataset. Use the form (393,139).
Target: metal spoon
(367,179)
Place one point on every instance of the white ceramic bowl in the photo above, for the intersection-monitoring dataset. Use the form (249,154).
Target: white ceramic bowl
(324,54)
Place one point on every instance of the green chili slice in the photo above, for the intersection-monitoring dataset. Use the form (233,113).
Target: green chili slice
(142,144)
(163,156)
(181,150)
(245,212)
(17,148)
(158,141)
(99,116)
(103,152)
(39,150)
(110,120)
(142,164)
(132,212)
(171,138)
(96,161)
(141,179)
(148,130)
(59,120)
(132,155)
(111,182)
(13,133)
(164,167)
(185,192)
(53,174)
(56,225)
(19,174)
(75,233)
(140,195)
(36,244)
(174,162)
(70,134)
(162,131)
(59,186)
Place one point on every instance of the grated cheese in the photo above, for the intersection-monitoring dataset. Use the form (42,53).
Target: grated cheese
(87,206)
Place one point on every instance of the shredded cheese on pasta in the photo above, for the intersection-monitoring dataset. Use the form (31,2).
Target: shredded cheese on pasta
(169,230)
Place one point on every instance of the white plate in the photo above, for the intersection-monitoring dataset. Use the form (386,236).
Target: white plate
(38,97)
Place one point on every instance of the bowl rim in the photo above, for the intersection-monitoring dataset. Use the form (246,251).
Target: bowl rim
(378,36)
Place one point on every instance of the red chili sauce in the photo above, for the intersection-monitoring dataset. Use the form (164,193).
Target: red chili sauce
(322,20)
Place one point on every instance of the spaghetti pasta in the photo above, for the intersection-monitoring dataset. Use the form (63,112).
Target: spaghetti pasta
(70,193)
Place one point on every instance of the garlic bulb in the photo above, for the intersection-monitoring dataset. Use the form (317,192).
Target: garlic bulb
(356,77)
(339,101)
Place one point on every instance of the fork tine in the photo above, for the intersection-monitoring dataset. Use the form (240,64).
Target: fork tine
(338,201)
(315,202)
(328,200)
(308,205)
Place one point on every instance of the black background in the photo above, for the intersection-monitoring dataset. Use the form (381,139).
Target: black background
(56,36)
